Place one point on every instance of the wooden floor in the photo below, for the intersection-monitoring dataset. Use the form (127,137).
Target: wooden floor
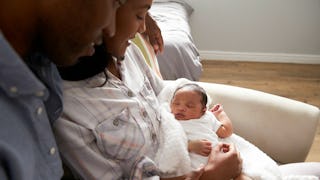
(296,81)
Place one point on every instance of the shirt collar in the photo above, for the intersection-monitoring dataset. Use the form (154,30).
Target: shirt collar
(16,77)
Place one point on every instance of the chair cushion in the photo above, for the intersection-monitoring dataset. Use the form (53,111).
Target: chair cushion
(148,52)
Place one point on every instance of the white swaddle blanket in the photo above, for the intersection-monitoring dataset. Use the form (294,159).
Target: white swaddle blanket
(172,157)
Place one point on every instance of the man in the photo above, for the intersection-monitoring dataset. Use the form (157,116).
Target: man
(35,35)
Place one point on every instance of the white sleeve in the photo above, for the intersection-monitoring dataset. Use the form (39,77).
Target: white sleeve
(216,124)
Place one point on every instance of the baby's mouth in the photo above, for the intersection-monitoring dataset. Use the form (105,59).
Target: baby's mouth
(179,116)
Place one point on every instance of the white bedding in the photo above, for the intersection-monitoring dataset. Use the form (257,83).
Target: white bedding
(180,58)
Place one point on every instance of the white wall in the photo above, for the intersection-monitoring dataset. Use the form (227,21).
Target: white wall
(257,30)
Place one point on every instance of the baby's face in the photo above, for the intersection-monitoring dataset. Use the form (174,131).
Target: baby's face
(186,104)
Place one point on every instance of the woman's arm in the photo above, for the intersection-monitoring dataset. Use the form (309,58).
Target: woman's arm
(194,175)
(224,164)
(77,147)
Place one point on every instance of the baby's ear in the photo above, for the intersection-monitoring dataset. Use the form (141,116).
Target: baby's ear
(204,109)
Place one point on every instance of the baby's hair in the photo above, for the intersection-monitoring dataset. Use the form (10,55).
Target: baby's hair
(196,88)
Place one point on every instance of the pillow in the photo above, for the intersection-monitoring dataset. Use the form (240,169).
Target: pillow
(148,53)
(186,3)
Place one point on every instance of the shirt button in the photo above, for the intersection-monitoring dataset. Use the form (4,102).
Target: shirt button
(39,111)
(130,93)
(13,89)
(154,137)
(52,151)
(148,86)
(145,114)
(116,122)
(40,93)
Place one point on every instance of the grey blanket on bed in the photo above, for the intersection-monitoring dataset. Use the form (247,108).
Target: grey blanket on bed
(180,58)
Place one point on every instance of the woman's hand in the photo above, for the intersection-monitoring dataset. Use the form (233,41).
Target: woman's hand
(224,163)
(154,34)
(195,175)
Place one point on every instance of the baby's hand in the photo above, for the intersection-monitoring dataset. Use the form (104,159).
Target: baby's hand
(202,147)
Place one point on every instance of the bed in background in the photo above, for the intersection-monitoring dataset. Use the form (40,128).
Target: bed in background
(180,58)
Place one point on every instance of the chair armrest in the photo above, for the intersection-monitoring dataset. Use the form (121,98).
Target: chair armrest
(283,128)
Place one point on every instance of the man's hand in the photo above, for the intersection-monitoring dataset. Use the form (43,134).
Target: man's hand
(154,34)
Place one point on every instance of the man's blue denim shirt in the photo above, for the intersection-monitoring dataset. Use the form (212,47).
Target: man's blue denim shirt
(30,101)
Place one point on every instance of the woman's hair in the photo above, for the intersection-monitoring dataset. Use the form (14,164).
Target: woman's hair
(87,66)
(196,88)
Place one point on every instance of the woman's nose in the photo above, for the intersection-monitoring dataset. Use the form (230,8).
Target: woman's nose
(142,27)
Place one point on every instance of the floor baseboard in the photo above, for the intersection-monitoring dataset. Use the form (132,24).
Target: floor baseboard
(260,57)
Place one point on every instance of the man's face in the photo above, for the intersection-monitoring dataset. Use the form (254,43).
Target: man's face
(69,29)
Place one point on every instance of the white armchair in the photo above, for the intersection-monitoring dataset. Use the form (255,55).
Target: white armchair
(281,127)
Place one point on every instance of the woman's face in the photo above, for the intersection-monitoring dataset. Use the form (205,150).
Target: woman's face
(130,19)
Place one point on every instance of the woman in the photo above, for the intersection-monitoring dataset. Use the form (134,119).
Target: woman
(110,125)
